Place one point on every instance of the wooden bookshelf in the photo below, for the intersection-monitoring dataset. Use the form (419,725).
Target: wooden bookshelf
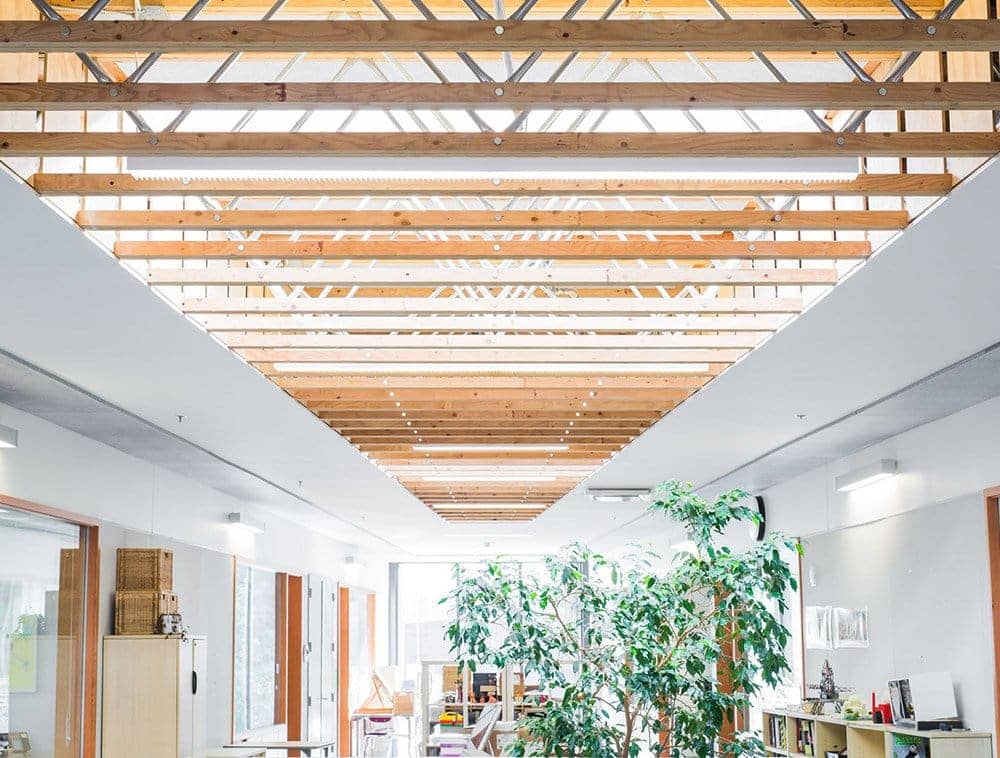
(786,732)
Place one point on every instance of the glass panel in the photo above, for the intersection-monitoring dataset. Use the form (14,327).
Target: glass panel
(254,662)
(42,562)
(361,663)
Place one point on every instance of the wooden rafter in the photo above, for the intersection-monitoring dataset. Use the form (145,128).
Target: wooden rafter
(487,355)
(473,393)
(570,36)
(670,220)
(527,342)
(438,277)
(578,249)
(313,383)
(519,95)
(914,185)
(544,8)
(512,144)
(621,306)
(364,324)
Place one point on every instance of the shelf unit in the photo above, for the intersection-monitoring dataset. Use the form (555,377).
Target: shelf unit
(862,739)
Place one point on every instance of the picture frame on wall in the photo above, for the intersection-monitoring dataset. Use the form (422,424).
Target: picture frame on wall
(850,628)
(817,625)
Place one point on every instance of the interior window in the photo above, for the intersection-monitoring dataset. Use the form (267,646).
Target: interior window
(255,669)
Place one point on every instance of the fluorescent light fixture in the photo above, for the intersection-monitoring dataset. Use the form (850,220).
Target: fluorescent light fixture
(490,478)
(487,506)
(437,369)
(486,447)
(8,437)
(242,521)
(862,477)
(485,535)
(617,494)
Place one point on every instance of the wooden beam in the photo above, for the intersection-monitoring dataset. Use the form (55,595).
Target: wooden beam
(577,249)
(506,144)
(112,185)
(526,342)
(384,446)
(424,355)
(577,396)
(440,277)
(293,382)
(524,423)
(364,324)
(626,306)
(48,96)
(682,9)
(488,220)
(472,406)
(571,36)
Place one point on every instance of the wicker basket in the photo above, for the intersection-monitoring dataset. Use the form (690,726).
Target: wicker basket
(145,569)
(138,612)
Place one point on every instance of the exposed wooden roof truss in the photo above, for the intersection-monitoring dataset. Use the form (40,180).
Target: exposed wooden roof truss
(490,246)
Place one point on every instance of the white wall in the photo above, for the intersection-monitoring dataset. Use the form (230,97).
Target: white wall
(139,504)
(917,556)
(924,578)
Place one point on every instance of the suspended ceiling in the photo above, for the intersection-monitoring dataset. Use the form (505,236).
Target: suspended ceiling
(492,332)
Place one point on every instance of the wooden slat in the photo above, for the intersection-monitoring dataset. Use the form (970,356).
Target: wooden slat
(292,382)
(355,324)
(578,249)
(379,36)
(629,306)
(439,277)
(471,406)
(399,445)
(421,355)
(519,95)
(576,396)
(916,185)
(509,144)
(545,8)
(528,342)
(488,220)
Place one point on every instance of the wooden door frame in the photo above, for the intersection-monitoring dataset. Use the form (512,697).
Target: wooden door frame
(293,680)
(991,502)
(91,542)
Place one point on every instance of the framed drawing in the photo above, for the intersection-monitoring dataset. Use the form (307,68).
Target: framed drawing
(850,628)
(816,623)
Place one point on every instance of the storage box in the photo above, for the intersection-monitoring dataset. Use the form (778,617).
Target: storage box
(138,612)
(145,569)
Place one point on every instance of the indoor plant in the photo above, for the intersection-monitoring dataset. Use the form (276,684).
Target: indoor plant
(647,639)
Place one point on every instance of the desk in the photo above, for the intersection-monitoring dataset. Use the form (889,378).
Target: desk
(306,747)
(235,752)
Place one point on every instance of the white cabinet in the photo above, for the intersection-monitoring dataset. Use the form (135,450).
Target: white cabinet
(154,697)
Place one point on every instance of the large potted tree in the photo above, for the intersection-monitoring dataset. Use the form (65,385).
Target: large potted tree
(649,643)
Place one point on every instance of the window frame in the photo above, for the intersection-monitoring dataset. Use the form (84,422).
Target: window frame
(279,726)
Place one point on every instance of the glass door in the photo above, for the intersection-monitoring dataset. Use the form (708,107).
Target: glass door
(43,599)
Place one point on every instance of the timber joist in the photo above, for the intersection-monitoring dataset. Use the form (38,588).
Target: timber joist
(693,35)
